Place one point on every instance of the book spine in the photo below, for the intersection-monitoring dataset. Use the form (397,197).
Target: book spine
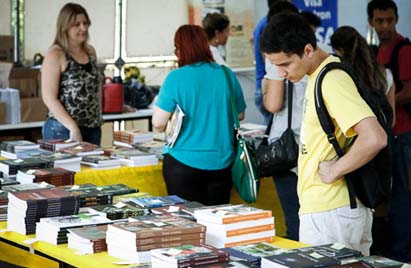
(169,239)
(249,217)
(249,230)
(251,241)
(178,231)
(170,244)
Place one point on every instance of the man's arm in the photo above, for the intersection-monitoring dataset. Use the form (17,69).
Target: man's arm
(404,96)
(273,94)
(371,138)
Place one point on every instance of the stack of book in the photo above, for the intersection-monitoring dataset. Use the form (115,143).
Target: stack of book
(118,211)
(93,195)
(136,158)
(127,138)
(134,240)
(10,149)
(56,144)
(83,149)
(153,147)
(188,256)
(54,229)
(3,205)
(89,239)
(7,181)
(156,201)
(55,176)
(63,160)
(9,167)
(100,162)
(28,207)
(233,225)
(31,153)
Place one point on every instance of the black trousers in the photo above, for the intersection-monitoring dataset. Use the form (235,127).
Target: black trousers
(209,187)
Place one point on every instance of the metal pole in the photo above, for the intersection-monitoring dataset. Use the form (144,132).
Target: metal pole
(17,33)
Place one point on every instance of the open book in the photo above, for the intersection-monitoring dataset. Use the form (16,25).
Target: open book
(174,126)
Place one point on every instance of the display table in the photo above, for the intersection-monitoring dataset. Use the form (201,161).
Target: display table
(13,250)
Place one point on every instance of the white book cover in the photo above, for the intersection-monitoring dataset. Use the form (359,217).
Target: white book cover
(174,126)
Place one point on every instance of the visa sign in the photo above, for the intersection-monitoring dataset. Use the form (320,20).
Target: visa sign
(326,10)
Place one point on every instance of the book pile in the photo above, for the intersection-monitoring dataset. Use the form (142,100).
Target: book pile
(7,181)
(100,162)
(9,149)
(9,167)
(28,207)
(55,176)
(62,160)
(31,153)
(315,256)
(153,147)
(156,201)
(3,205)
(89,239)
(178,210)
(133,240)
(93,195)
(187,256)
(83,149)
(54,229)
(233,225)
(136,158)
(118,211)
(127,138)
(56,144)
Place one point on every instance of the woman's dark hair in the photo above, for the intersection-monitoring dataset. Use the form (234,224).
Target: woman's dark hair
(215,22)
(192,45)
(355,51)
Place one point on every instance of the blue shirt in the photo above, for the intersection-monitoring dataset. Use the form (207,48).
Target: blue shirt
(206,137)
(259,60)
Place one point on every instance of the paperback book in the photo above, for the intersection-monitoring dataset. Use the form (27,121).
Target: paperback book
(174,125)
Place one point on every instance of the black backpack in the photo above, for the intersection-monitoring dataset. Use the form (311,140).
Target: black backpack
(371,183)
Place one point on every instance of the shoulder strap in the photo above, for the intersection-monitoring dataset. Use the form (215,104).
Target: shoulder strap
(393,63)
(325,118)
(232,100)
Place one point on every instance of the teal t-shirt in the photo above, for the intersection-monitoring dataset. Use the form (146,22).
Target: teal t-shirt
(206,137)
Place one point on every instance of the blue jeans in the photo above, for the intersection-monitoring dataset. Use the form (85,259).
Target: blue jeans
(400,206)
(258,100)
(286,185)
(53,129)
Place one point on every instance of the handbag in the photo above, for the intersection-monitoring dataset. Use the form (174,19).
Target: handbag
(243,171)
(281,155)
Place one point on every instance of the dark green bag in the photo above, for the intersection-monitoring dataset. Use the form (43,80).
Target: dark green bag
(243,172)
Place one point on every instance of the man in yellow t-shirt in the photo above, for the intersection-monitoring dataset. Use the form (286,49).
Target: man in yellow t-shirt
(325,214)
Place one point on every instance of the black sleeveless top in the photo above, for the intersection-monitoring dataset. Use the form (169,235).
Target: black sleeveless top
(78,92)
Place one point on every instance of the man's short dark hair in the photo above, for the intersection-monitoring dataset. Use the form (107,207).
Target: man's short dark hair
(281,6)
(312,19)
(287,32)
(381,5)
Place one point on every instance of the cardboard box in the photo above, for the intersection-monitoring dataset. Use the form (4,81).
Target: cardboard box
(26,80)
(32,110)
(7,48)
(2,113)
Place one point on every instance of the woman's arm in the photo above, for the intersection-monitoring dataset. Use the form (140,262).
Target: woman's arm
(53,64)
(160,119)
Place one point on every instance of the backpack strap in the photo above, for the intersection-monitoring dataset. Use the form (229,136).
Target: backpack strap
(393,63)
(325,118)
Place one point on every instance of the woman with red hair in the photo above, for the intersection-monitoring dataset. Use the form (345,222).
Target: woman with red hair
(198,165)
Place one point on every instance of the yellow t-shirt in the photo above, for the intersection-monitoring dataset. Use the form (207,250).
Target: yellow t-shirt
(346,108)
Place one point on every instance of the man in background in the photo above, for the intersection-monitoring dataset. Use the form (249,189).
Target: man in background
(395,53)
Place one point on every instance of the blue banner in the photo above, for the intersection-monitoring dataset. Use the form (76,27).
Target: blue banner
(326,10)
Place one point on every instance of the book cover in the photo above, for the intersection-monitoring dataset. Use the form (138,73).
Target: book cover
(14,146)
(299,260)
(173,127)
(100,159)
(231,213)
(83,149)
(89,233)
(56,144)
(158,201)
(115,212)
(336,251)
(380,262)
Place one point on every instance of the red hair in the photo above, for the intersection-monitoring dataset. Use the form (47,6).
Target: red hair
(192,45)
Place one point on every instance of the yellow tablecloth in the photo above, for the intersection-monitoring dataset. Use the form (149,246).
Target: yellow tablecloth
(24,258)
